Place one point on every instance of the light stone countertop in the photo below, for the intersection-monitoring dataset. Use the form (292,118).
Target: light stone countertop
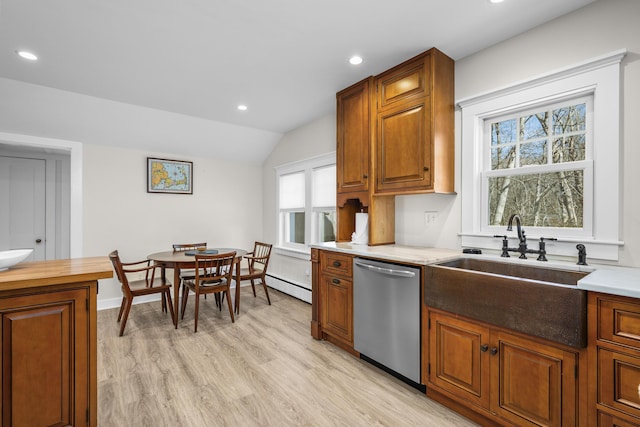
(624,281)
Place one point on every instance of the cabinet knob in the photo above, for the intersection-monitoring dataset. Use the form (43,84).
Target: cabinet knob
(336,263)
(484,348)
(336,281)
(38,240)
(365,176)
(426,169)
(493,351)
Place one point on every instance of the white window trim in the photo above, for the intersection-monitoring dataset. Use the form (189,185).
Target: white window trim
(599,76)
(307,165)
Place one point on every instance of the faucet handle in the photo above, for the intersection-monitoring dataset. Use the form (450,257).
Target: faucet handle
(548,239)
(503,237)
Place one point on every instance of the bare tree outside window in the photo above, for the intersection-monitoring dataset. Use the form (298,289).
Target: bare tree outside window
(522,148)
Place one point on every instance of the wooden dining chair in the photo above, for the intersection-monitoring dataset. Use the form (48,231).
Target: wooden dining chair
(133,288)
(213,276)
(258,261)
(184,247)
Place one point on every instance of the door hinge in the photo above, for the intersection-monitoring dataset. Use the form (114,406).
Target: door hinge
(429,368)
(429,325)
(575,371)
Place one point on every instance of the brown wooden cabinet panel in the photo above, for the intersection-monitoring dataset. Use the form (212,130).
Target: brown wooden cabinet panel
(456,358)
(407,81)
(335,299)
(614,354)
(403,148)
(532,383)
(337,305)
(353,137)
(44,359)
(501,375)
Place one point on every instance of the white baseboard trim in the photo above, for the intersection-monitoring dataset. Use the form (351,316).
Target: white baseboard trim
(290,287)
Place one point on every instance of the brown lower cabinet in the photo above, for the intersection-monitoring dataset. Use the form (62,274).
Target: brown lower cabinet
(614,353)
(503,377)
(49,342)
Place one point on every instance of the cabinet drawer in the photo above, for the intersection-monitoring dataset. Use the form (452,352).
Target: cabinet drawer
(336,263)
(619,381)
(619,322)
(607,420)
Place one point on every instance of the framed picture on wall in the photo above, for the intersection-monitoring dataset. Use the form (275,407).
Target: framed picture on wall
(169,176)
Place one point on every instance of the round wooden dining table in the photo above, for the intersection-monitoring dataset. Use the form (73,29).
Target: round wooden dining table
(180,260)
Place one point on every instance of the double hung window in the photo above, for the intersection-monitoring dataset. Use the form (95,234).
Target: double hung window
(546,149)
(306,202)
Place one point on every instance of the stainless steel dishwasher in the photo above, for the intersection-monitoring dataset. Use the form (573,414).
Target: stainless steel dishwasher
(386,316)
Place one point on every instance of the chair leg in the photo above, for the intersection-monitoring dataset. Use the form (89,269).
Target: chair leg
(253,286)
(218,301)
(266,292)
(168,297)
(229,304)
(195,327)
(122,304)
(185,296)
(164,303)
(125,316)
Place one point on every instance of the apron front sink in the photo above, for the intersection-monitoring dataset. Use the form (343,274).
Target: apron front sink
(539,301)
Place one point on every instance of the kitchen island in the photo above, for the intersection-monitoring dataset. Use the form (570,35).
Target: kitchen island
(49,341)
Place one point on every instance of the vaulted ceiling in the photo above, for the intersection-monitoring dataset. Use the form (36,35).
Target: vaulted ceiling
(168,75)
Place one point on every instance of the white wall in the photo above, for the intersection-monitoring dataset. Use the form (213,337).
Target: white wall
(597,29)
(224,210)
(313,139)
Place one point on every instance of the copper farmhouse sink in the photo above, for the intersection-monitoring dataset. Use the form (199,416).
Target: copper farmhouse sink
(535,300)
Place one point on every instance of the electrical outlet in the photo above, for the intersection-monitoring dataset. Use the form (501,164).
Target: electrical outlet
(430,217)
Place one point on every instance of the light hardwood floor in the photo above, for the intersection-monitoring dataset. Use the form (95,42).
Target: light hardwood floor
(262,370)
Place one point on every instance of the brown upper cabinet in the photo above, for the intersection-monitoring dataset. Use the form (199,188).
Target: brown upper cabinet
(394,136)
(353,138)
(414,126)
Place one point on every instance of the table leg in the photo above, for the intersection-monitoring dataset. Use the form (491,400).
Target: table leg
(176,293)
(237,301)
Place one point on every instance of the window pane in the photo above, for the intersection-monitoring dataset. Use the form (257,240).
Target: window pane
(553,199)
(503,157)
(569,149)
(291,190)
(324,186)
(570,119)
(293,227)
(533,153)
(533,126)
(503,132)
(326,221)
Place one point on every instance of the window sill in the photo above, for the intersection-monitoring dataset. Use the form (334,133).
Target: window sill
(293,253)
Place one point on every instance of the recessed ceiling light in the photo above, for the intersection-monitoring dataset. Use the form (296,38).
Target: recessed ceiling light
(242,107)
(27,55)
(496,1)
(355,60)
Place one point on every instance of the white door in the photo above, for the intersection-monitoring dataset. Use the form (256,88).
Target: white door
(22,210)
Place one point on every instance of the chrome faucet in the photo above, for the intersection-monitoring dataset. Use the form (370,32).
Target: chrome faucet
(522,247)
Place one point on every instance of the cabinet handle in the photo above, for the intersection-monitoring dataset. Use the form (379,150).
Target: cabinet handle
(336,281)
(493,351)
(484,348)
(336,263)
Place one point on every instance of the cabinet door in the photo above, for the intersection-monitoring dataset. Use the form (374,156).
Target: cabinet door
(403,148)
(532,384)
(458,358)
(619,381)
(337,307)
(353,137)
(45,359)
(405,82)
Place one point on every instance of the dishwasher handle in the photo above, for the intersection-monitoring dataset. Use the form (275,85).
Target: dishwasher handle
(387,271)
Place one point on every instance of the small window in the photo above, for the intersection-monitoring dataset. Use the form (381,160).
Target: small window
(307,203)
